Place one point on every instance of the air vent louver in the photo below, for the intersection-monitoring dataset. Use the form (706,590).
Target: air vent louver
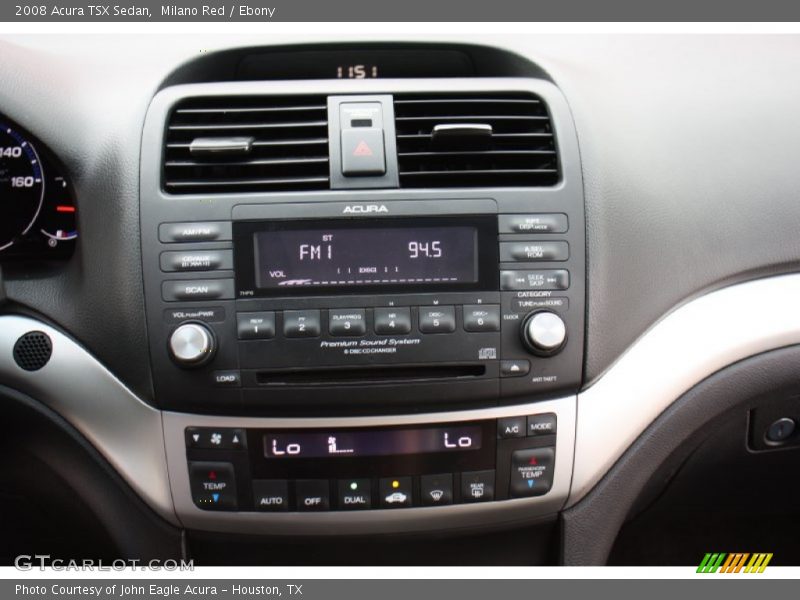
(247,144)
(475,140)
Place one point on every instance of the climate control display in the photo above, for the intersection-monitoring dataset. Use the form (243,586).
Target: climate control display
(326,444)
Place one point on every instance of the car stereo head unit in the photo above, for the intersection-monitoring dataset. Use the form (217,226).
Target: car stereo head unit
(338,307)
(366,255)
(364,292)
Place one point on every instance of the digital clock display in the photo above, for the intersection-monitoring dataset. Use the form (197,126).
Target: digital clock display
(364,257)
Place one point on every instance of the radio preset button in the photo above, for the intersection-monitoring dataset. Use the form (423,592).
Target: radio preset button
(481,317)
(354,494)
(301,323)
(312,495)
(352,321)
(392,321)
(551,279)
(255,325)
(437,319)
(534,223)
(207,231)
(199,260)
(477,486)
(533,251)
(395,492)
(271,495)
(436,490)
(197,289)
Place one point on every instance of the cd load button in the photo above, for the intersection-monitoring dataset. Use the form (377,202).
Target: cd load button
(197,289)
(534,223)
(555,279)
(210,231)
(255,325)
(301,323)
(482,318)
(437,319)
(392,321)
(199,260)
(347,322)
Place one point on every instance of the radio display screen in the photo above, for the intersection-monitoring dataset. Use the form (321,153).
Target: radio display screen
(338,256)
(356,257)
(355,443)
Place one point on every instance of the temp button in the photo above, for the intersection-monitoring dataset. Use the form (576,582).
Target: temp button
(532,472)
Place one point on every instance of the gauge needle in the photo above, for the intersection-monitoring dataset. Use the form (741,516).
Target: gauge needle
(65,209)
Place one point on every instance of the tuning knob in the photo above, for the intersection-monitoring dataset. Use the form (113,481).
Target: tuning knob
(544,333)
(192,344)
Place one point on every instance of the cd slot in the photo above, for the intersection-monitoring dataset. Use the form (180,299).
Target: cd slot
(369,374)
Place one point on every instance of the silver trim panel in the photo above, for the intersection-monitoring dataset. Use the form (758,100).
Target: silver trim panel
(689,344)
(125,430)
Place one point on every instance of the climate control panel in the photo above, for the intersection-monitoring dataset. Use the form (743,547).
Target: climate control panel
(386,468)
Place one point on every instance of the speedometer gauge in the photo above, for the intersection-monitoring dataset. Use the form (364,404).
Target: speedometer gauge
(21,186)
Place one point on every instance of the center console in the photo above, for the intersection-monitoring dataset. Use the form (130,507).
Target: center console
(341,348)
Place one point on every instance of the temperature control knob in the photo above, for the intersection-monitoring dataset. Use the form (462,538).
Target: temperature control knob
(544,333)
(192,344)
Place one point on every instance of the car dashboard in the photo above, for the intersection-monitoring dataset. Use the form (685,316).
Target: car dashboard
(443,301)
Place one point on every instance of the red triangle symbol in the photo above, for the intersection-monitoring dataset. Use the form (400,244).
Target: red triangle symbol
(362,149)
(532,461)
(212,475)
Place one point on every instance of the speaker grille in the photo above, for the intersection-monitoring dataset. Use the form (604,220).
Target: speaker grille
(33,350)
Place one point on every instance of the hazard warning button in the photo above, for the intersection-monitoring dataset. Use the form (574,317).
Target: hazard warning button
(363,152)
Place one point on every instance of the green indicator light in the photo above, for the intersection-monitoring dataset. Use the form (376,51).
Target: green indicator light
(354,486)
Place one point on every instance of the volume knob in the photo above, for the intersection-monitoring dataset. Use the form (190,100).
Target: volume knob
(192,344)
(544,333)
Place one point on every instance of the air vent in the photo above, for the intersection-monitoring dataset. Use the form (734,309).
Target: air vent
(247,144)
(475,140)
